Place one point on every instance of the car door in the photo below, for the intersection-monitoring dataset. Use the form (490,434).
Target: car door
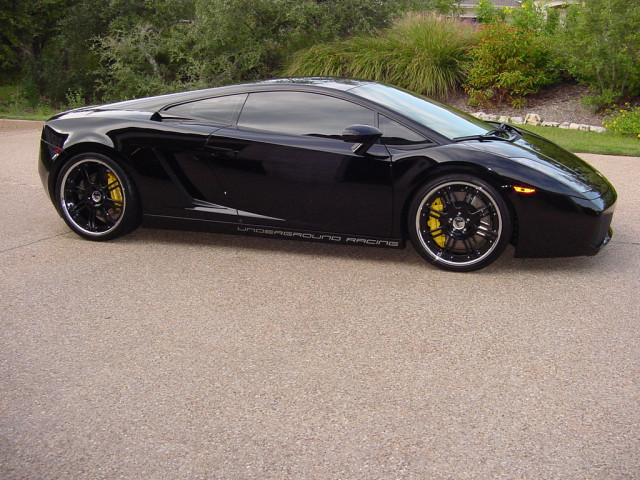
(285,164)
(179,147)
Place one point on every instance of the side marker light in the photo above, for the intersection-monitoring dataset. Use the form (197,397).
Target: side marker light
(524,190)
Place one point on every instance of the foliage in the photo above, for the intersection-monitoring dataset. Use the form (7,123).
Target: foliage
(122,48)
(600,46)
(624,121)
(15,104)
(487,13)
(507,64)
(529,16)
(423,53)
(212,44)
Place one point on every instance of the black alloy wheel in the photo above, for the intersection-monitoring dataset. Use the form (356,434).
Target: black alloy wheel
(96,197)
(459,223)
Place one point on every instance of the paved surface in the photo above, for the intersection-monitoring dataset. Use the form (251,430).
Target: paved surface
(190,355)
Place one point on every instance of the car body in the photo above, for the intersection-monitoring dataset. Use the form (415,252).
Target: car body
(324,159)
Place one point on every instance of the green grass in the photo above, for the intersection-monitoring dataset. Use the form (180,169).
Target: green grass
(589,142)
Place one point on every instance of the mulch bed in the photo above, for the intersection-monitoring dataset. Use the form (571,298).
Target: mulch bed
(558,103)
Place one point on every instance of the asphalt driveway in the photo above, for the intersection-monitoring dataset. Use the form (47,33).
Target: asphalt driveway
(192,355)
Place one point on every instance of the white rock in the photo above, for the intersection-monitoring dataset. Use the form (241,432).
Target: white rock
(532,119)
(584,128)
(565,125)
(479,115)
(574,126)
(550,124)
(504,119)
(492,118)
(517,120)
(597,129)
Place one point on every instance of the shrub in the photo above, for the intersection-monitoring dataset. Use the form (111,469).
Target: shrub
(625,121)
(508,64)
(600,46)
(423,53)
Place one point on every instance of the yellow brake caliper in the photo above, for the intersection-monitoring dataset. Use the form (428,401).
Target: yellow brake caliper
(115,193)
(434,224)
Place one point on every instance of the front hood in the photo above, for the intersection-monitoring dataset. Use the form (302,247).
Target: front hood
(540,154)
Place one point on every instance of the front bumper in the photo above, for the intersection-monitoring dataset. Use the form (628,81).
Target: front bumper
(550,225)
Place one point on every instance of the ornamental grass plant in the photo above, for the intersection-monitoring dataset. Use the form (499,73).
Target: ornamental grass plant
(423,53)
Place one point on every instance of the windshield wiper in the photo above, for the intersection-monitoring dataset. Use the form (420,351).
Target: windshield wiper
(503,132)
(504,128)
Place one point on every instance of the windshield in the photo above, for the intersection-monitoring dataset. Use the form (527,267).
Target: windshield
(447,121)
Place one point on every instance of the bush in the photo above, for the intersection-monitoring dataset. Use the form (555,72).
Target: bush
(423,53)
(625,121)
(600,47)
(508,64)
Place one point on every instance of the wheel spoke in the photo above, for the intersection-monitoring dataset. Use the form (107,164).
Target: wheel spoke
(113,186)
(470,195)
(449,244)
(483,212)
(115,203)
(110,221)
(434,232)
(84,171)
(470,246)
(435,213)
(73,186)
(91,221)
(77,207)
(486,232)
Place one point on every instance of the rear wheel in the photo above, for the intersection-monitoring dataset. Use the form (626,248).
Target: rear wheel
(459,223)
(96,197)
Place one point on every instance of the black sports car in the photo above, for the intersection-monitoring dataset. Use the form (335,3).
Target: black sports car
(322,159)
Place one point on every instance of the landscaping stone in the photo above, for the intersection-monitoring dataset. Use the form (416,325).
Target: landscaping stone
(532,119)
(536,120)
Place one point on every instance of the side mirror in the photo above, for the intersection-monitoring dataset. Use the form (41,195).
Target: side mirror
(364,136)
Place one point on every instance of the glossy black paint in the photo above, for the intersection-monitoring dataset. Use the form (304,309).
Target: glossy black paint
(218,175)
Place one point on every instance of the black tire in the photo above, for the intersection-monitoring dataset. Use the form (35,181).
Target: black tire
(97,198)
(459,222)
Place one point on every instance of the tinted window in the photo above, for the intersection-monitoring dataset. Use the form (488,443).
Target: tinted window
(220,110)
(302,113)
(447,121)
(395,134)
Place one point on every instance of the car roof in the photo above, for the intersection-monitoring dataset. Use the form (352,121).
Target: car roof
(153,104)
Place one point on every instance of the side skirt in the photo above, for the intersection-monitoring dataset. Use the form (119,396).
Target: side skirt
(178,223)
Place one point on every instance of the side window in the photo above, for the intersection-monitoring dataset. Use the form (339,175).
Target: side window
(301,113)
(219,110)
(395,134)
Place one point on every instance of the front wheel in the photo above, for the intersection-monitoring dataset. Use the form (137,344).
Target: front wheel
(459,223)
(96,197)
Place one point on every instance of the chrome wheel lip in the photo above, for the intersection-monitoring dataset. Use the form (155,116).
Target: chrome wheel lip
(93,194)
(439,258)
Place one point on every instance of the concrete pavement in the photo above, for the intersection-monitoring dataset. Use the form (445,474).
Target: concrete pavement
(192,355)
